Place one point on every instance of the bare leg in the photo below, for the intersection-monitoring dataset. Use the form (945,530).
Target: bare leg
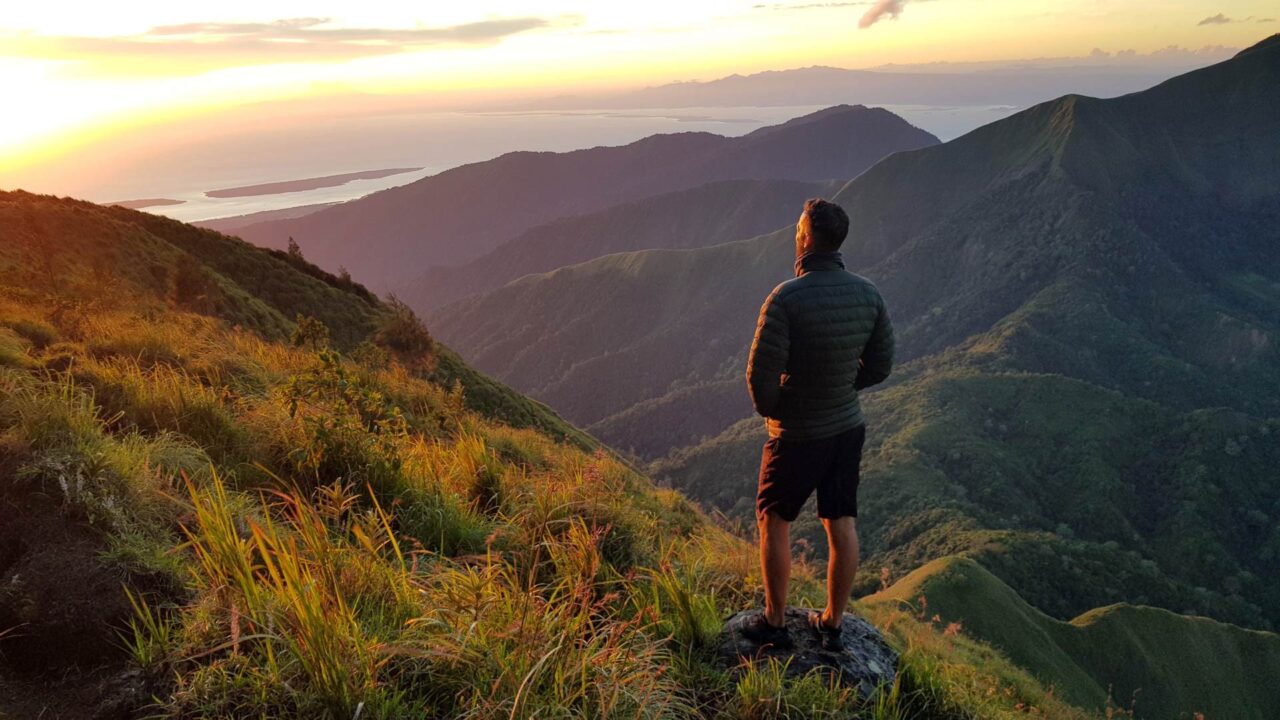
(775,564)
(842,566)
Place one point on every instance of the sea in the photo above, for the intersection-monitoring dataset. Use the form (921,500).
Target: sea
(434,141)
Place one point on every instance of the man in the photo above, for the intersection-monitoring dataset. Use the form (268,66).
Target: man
(821,337)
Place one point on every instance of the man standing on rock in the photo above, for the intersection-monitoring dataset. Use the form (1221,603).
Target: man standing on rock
(821,337)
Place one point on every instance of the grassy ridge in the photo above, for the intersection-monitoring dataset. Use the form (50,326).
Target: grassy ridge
(1153,661)
(79,255)
(79,251)
(213,522)
(303,565)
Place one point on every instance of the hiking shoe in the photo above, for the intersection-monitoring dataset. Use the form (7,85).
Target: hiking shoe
(829,636)
(757,629)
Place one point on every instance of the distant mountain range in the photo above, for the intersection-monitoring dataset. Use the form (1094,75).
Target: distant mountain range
(1018,84)
(1088,303)
(391,236)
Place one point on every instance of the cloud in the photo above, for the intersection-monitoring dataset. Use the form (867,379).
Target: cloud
(878,10)
(892,8)
(1221,19)
(206,45)
(809,6)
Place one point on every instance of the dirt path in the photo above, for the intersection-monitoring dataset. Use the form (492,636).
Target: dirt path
(61,609)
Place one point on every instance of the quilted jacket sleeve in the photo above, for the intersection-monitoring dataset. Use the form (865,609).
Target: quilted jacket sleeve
(768,358)
(877,356)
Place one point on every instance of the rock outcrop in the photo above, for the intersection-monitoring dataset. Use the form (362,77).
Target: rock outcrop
(866,662)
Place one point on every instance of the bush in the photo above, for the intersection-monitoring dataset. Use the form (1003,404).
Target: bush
(405,336)
(310,333)
(193,289)
(351,430)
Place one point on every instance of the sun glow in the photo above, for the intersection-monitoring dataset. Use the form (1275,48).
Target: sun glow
(88,72)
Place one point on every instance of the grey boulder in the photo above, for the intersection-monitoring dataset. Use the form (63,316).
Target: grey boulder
(866,661)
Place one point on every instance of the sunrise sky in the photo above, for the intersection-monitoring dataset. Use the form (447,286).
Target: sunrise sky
(74,71)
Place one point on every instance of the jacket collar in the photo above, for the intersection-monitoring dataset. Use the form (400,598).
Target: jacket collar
(816,261)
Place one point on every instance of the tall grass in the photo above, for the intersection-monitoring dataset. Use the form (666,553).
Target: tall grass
(150,639)
(62,441)
(764,692)
(498,647)
(312,600)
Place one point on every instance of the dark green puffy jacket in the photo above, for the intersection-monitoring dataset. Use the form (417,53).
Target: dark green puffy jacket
(821,337)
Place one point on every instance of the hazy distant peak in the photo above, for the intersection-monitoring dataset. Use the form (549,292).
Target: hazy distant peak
(834,110)
(694,138)
(840,115)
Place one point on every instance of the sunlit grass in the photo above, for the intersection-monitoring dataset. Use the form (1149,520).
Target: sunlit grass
(339,538)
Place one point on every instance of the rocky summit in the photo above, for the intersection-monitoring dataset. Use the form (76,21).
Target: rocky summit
(866,660)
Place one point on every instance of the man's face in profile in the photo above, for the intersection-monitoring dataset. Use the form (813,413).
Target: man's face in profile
(802,235)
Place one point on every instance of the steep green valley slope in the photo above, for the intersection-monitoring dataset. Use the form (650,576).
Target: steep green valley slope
(708,215)
(1156,663)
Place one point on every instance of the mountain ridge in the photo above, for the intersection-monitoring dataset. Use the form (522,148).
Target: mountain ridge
(888,85)
(425,222)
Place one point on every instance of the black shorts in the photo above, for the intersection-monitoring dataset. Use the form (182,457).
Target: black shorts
(791,469)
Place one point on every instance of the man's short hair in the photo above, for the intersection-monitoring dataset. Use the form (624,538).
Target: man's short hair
(826,223)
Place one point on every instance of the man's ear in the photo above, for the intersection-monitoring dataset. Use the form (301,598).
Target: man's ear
(803,242)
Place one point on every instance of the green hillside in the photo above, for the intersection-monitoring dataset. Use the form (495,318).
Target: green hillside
(212,510)
(656,324)
(708,215)
(1156,663)
(1074,495)
(1087,301)
(154,262)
